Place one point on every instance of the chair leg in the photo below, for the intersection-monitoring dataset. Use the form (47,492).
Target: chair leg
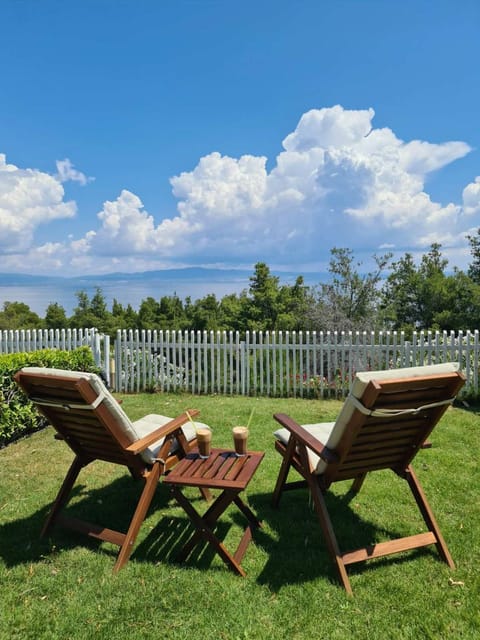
(428,516)
(355,487)
(63,495)
(151,482)
(283,473)
(329,533)
(357,483)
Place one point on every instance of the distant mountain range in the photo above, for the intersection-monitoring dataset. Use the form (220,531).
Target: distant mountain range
(187,273)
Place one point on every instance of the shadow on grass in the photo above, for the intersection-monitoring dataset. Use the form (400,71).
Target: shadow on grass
(165,542)
(111,506)
(291,537)
(296,548)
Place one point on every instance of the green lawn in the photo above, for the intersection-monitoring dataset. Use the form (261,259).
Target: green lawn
(63,587)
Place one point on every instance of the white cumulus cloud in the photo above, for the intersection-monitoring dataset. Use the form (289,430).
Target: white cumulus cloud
(28,198)
(471,198)
(338,181)
(67,172)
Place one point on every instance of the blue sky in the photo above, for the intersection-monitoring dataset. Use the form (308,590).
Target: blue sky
(139,135)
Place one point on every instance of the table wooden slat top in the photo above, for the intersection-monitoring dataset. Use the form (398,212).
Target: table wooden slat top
(223,469)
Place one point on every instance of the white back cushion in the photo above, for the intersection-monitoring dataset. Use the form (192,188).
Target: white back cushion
(329,433)
(133,431)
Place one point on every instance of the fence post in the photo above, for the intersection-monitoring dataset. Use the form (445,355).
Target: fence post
(106,357)
(245,384)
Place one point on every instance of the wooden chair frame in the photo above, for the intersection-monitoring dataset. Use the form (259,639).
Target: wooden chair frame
(93,432)
(385,433)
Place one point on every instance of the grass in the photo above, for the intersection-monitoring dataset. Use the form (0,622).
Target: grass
(63,587)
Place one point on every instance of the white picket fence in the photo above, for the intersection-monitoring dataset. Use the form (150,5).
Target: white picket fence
(305,364)
(27,340)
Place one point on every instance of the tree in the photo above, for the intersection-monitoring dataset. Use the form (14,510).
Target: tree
(123,318)
(401,295)
(148,314)
(98,305)
(424,297)
(230,312)
(82,315)
(264,292)
(130,317)
(461,303)
(474,267)
(205,313)
(92,313)
(432,291)
(55,316)
(18,315)
(171,314)
(293,306)
(350,300)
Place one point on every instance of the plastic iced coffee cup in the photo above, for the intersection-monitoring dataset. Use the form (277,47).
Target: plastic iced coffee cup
(240,436)
(204,441)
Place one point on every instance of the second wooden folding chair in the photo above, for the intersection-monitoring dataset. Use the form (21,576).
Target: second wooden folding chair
(383,423)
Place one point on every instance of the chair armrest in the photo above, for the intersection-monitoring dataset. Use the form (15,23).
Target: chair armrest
(304,437)
(162,432)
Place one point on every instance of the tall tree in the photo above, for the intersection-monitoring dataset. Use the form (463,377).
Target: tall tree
(123,318)
(264,291)
(350,300)
(474,267)
(230,312)
(433,293)
(130,317)
(98,305)
(401,295)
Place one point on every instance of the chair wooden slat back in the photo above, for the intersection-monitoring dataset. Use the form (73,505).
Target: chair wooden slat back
(371,443)
(93,434)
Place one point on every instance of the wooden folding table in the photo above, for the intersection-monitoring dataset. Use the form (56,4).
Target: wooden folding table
(230,473)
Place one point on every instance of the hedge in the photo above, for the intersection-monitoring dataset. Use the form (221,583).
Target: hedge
(18,416)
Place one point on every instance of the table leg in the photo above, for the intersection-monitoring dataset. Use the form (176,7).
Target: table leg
(253,522)
(247,512)
(204,527)
(209,518)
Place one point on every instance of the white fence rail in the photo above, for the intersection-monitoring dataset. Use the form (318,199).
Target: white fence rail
(304,364)
(308,364)
(26,340)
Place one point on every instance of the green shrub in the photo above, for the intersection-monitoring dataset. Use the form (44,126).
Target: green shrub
(18,417)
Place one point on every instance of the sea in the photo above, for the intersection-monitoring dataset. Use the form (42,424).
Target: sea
(39,296)
(131,289)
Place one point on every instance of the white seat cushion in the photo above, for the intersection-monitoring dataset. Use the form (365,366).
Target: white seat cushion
(132,430)
(321,432)
(147,424)
(329,433)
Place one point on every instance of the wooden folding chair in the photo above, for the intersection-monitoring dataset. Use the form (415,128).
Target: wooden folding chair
(383,423)
(93,424)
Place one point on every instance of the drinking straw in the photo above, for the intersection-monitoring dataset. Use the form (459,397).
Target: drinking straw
(193,423)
